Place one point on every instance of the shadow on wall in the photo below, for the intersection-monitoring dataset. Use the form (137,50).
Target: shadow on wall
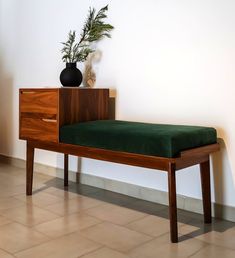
(6,111)
(220,178)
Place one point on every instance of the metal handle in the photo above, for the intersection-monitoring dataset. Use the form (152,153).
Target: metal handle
(27,92)
(49,120)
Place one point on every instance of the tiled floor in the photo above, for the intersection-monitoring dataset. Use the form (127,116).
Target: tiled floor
(88,222)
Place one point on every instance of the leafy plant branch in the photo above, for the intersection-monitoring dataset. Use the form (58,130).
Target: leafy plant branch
(93,30)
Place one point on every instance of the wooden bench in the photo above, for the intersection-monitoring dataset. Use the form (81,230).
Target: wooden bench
(29,116)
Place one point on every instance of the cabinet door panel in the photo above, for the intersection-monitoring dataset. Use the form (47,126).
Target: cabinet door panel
(39,101)
(42,129)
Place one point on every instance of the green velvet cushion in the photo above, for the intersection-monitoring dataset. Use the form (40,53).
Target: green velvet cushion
(143,138)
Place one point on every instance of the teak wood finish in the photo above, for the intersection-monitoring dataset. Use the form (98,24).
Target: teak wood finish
(44,111)
(74,102)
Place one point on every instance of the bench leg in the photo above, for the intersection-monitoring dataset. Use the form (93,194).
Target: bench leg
(29,168)
(66,169)
(206,190)
(172,203)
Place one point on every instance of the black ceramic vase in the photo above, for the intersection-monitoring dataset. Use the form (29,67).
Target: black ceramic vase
(71,76)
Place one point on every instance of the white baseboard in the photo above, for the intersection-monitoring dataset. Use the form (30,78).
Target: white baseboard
(140,192)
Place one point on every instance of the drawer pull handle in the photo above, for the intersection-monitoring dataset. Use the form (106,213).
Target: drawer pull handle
(27,92)
(49,120)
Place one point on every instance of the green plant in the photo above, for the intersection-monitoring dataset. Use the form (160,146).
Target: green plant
(93,30)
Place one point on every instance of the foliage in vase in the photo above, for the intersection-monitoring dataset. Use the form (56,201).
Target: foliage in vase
(93,30)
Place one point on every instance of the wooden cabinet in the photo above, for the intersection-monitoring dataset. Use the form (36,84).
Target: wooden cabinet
(44,111)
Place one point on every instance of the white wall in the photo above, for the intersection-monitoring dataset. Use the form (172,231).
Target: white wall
(169,61)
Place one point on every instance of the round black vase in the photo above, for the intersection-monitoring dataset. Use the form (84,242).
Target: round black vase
(71,76)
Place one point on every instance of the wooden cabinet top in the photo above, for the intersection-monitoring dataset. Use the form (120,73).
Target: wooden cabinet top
(62,88)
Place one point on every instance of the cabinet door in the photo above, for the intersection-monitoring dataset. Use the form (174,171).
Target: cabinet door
(41,129)
(39,114)
(39,101)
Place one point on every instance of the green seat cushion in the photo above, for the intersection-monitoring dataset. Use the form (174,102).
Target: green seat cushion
(143,138)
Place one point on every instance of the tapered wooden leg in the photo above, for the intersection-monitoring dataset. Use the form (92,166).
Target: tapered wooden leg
(172,203)
(206,190)
(66,169)
(29,168)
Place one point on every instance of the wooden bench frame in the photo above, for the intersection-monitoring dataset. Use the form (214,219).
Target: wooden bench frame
(171,165)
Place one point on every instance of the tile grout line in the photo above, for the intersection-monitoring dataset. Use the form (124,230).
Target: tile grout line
(6,251)
(15,221)
(216,245)
(51,240)
(77,230)
(83,255)
(152,238)
(198,250)
(144,215)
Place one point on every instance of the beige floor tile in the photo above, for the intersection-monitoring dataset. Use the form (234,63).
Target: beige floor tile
(152,225)
(114,236)
(61,193)
(4,254)
(38,186)
(50,189)
(224,238)
(12,191)
(188,229)
(8,179)
(115,214)
(214,252)
(40,199)
(15,237)
(161,247)
(40,181)
(4,221)
(47,234)
(69,246)
(66,207)
(29,215)
(10,169)
(67,224)
(105,253)
(42,177)
(9,202)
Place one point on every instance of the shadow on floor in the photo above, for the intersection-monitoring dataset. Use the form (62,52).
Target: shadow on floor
(186,217)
